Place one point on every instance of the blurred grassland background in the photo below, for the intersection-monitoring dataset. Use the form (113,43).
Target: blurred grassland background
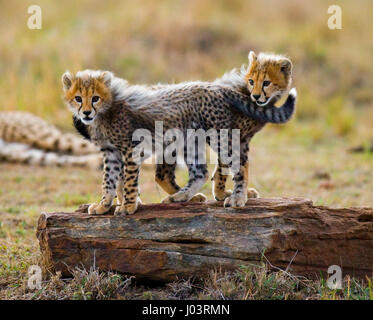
(172,41)
(167,41)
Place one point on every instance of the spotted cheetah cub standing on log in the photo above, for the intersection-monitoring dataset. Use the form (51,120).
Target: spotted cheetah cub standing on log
(108,111)
(265,80)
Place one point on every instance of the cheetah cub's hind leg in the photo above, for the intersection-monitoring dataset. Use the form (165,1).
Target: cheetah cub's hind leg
(198,176)
(165,178)
(195,160)
(219,180)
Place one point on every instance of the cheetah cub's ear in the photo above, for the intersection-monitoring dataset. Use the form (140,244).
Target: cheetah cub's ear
(252,57)
(106,78)
(67,80)
(286,67)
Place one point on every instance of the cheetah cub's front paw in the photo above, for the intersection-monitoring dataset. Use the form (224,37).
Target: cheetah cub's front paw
(127,208)
(184,197)
(252,193)
(235,201)
(199,197)
(177,197)
(222,195)
(97,209)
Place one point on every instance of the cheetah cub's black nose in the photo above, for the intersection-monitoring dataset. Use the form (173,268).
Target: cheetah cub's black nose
(256,96)
(87,113)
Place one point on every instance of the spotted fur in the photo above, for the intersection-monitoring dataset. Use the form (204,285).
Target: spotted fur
(28,129)
(14,152)
(277,71)
(125,108)
(25,138)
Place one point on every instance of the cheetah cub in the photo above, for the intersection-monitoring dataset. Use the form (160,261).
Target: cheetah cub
(266,79)
(107,110)
(92,96)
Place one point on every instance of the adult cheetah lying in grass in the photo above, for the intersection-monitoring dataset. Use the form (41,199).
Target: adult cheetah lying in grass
(28,139)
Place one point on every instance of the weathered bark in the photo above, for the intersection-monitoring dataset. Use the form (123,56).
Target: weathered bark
(165,242)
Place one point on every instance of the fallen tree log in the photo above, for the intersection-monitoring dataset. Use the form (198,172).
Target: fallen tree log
(163,242)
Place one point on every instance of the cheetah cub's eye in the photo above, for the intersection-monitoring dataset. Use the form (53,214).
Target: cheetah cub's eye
(78,99)
(95,98)
(266,83)
(251,81)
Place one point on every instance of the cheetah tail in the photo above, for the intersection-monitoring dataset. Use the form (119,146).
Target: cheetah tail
(271,113)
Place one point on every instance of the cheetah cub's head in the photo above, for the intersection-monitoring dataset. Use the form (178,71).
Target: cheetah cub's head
(268,78)
(87,93)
